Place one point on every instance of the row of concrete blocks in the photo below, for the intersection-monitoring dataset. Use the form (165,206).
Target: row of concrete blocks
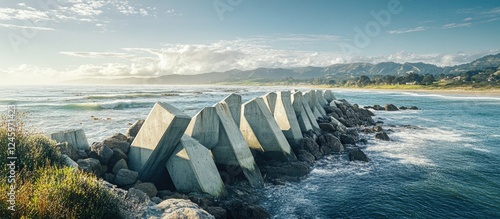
(189,148)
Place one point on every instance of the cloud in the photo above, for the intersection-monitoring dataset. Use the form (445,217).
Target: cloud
(416,29)
(12,26)
(456,25)
(97,54)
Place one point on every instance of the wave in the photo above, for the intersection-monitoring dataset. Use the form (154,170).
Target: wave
(131,96)
(116,105)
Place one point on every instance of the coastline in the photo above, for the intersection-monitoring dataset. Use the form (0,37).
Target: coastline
(453,92)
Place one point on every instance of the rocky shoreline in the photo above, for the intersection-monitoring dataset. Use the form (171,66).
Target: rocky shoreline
(338,133)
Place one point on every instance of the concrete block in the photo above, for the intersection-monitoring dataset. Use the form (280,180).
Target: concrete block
(284,115)
(75,137)
(328,95)
(315,99)
(321,99)
(261,132)
(234,102)
(308,98)
(310,114)
(270,100)
(232,148)
(156,141)
(300,113)
(192,169)
(204,127)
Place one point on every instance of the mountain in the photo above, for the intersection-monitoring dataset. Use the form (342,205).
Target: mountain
(336,70)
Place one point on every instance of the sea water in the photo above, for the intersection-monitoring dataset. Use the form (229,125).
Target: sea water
(443,160)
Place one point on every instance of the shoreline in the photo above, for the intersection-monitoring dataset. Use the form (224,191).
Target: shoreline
(482,93)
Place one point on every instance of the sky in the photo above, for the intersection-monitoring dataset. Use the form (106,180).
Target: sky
(48,41)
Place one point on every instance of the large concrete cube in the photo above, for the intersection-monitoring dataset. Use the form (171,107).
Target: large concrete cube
(156,141)
(192,169)
(300,113)
(75,137)
(261,132)
(284,115)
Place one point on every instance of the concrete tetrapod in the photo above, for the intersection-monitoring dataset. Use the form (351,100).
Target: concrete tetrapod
(310,114)
(270,100)
(321,99)
(262,133)
(233,101)
(307,98)
(156,141)
(328,95)
(300,112)
(230,148)
(75,137)
(192,169)
(314,101)
(284,114)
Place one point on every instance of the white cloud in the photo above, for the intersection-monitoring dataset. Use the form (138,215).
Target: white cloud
(12,26)
(416,29)
(456,25)
(97,54)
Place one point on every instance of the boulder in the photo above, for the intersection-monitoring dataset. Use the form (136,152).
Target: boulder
(113,143)
(91,165)
(378,107)
(101,152)
(327,127)
(121,164)
(334,143)
(117,155)
(136,196)
(109,177)
(293,169)
(346,139)
(356,154)
(382,136)
(181,208)
(245,210)
(68,149)
(305,156)
(82,154)
(126,177)
(134,128)
(413,108)
(156,200)
(148,188)
(217,212)
(390,107)
(403,108)
(309,145)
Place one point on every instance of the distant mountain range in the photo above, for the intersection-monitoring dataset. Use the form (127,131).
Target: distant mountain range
(275,74)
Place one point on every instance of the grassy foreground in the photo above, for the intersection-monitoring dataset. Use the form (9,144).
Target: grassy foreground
(42,186)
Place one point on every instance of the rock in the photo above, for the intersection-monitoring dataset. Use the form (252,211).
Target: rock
(327,127)
(117,155)
(164,193)
(382,136)
(68,149)
(113,143)
(294,169)
(156,200)
(121,164)
(109,177)
(379,123)
(217,212)
(363,141)
(148,188)
(357,154)
(181,208)
(134,129)
(403,108)
(100,152)
(413,108)
(244,210)
(90,165)
(310,146)
(306,157)
(378,128)
(346,139)
(136,195)
(334,143)
(378,107)
(390,107)
(82,154)
(126,177)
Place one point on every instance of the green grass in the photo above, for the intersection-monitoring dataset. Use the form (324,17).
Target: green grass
(44,187)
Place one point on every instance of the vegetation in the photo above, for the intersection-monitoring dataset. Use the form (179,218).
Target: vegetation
(44,188)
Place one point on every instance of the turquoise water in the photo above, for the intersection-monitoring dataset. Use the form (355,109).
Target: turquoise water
(445,165)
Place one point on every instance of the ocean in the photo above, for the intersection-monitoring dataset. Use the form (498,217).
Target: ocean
(443,160)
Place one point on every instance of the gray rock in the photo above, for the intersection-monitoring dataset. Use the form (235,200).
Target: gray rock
(390,107)
(156,200)
(293,169)
(164,193)
(134,129)
(346,139)
(82,154)
(109,177)
(310,146)
(113,143)
(136,195)
(121,164)
(305,156)
(148,188)
(382,136)
(100,152)
(356,154)
(126,177)
(334,143)
(327,127)
(217,212)
(68,149)
(413,108)
(117,155)
(90,165)
(181,208)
